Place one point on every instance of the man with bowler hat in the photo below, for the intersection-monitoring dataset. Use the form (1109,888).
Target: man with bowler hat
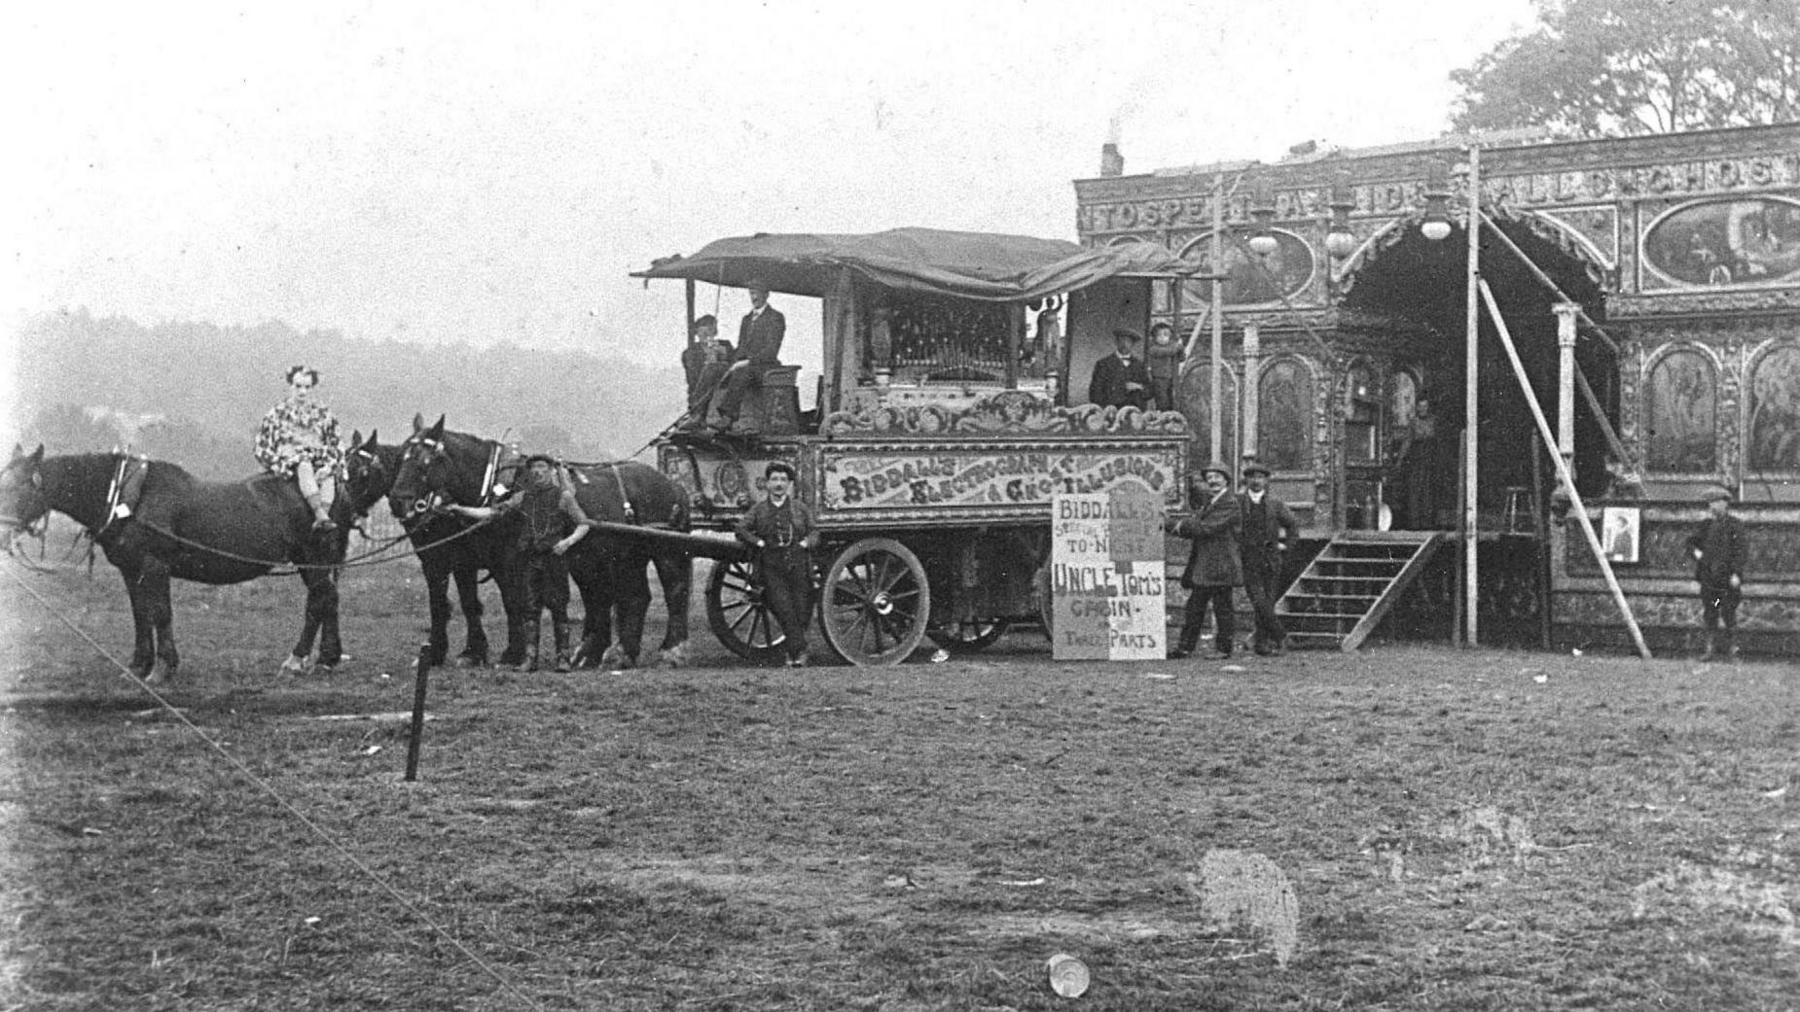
(1214,564)
(758,351)
(1718,551)
(1121,379)
(1268,526)
(781,532)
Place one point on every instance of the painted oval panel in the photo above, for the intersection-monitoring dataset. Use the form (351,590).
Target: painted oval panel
(1196,403)
(1284,273)
(1726,242)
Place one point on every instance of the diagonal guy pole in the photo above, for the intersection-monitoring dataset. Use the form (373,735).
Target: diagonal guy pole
(1562,471)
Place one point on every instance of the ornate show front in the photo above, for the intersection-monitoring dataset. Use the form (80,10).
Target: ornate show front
(1685,248)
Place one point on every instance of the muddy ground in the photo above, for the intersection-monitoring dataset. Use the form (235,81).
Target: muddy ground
(1412,827)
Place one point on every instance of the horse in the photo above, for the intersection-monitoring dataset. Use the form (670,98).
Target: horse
(183,528)
(442,466)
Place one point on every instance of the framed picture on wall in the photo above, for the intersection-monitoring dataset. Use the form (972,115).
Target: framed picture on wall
(1619,532)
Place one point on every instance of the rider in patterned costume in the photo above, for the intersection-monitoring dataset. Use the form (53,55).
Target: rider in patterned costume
(299,437)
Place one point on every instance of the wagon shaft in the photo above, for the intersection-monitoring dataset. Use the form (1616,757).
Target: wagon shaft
(706,546)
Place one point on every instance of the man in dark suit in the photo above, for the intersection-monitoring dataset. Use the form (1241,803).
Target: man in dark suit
(1214,565)
(1121,379)
(758,350)
(1268,527)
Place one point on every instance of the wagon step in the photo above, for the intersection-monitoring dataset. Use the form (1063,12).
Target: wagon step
(1317,608)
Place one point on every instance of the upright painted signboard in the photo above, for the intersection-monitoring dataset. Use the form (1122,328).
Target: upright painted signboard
(1106,575)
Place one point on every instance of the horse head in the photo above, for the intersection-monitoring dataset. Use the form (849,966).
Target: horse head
(23,501)
(438,467)
(369,470)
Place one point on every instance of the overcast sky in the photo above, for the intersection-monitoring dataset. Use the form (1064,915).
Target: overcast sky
(486,171)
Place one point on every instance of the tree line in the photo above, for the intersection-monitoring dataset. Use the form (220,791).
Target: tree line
(194,393)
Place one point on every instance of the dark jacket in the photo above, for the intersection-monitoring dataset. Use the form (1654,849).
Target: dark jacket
(759,338)
(1278,525)
(1107,386)
(1214,560)
(1718,550)
(785,526)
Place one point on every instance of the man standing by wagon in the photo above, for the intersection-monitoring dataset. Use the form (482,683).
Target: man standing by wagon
(1718,551)
(551,524)
(1268,526)
(1214,564)
(758,351)
(781,532)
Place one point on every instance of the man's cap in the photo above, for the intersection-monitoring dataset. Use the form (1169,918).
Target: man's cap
(1714,493)
(1128,335)
(1254,467)
(533,458)
(781,467)
(1218,466)
(761,284)
(709,320)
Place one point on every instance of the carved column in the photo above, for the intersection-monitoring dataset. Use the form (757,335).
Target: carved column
(1247,388)
(1565,382)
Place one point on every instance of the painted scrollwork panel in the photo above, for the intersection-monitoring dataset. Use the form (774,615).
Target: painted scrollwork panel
(1681,413)
(1773,429)
(1285,431)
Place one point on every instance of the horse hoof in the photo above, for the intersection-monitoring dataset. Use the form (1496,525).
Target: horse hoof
(673,657)
(294,665)
(469,662)
(616,660)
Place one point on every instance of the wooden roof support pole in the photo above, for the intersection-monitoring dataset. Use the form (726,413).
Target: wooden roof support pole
(1215,414)
(1562,471)
(1471,521)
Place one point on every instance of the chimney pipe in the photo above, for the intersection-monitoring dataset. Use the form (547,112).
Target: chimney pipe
(1111,162)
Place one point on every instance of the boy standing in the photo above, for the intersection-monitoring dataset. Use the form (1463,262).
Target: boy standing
(1718,551)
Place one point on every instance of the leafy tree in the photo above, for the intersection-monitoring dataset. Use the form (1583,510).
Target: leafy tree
(1612,67)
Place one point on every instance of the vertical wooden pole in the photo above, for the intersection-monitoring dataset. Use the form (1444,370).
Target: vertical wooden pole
(1215,419)
(690,309)
(1471,410)
(418,714)
(1247,392)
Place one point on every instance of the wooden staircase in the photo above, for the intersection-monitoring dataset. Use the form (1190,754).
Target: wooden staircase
(1351,584)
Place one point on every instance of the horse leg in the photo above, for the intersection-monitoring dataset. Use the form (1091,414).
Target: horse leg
(437,594)
(675,574)
(154,583)
(510,578)
(475,641)
(321,616)
(588,582)
(633,598)
(143,650)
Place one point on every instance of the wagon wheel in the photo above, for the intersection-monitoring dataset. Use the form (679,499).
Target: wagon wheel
(968,636)
(875,602)
(739,616)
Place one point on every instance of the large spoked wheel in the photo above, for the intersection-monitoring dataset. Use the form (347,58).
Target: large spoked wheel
(875,602)
(739,615)
(968,637)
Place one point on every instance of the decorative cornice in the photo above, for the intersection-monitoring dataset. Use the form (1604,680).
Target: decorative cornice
(1007,412)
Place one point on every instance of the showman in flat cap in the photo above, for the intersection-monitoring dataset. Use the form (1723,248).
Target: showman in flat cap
(1122,379)
(1718,550)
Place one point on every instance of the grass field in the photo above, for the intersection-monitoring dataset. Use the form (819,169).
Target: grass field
(1459,830)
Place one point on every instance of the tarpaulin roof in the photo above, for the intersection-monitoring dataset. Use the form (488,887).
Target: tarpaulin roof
(968,265)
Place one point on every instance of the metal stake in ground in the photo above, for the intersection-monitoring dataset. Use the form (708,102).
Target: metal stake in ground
(418,716)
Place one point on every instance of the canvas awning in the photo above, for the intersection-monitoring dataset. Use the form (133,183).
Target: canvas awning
(967,265)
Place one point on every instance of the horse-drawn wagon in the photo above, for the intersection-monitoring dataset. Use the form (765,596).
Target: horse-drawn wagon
(945,422)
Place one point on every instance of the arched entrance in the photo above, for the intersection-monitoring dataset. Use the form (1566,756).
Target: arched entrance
(1407,294)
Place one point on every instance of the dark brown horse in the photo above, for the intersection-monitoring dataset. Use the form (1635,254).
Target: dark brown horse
(188,529)
(608,569)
